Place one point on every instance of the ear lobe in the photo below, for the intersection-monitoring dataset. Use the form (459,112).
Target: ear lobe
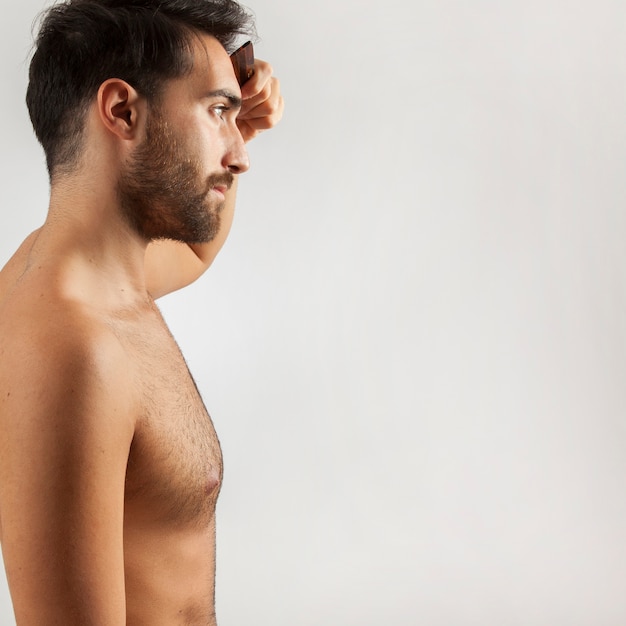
(118,108)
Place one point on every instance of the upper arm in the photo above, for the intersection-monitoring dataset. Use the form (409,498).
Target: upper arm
(66,428)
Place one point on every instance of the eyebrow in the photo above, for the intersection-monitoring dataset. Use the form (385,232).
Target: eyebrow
(235,101)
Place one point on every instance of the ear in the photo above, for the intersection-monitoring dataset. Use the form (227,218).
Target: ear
(120,108)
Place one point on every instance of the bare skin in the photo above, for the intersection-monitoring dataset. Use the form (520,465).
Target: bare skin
(110,467)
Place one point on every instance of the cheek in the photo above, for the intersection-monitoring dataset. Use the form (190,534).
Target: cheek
(209,148)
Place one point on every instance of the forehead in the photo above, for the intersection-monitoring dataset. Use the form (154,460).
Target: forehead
(212,71)
(212,66)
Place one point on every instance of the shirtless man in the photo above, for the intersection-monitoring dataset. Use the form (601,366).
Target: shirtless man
(109,464)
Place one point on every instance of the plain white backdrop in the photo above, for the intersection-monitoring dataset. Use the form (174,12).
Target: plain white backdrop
(413,345)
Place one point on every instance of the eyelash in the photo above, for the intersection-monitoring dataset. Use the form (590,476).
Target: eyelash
(221,109)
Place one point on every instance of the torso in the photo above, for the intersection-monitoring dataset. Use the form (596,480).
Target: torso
(173,475)
(172,483)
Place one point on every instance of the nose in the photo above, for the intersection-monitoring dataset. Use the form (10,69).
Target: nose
(236,158)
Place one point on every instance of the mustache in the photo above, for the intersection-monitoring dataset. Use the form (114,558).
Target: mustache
(225,179)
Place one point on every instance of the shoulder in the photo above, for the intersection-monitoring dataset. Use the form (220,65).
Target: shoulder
(63,364)
(15,266)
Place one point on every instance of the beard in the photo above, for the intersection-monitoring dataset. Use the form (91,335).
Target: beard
(162,192)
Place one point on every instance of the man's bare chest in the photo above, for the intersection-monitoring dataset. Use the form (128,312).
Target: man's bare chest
(175,463)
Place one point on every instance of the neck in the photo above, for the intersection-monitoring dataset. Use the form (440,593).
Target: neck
(87,236)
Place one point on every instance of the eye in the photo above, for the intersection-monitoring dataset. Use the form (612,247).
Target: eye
(220,110)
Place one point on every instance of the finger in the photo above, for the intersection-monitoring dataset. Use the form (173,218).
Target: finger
(261,123)
(262,74)
(261,96)
(267,120)
(273,105)
(263,102)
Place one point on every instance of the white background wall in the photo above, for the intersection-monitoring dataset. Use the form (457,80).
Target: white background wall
(414,343)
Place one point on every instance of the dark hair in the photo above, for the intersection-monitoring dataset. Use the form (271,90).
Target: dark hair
(82,43)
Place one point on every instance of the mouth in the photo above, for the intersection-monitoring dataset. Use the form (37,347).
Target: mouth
(219,191)
(219,184)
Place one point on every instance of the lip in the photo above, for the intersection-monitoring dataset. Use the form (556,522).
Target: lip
(220,190)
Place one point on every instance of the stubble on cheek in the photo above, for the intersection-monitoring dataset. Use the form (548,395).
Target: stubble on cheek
(163,194)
